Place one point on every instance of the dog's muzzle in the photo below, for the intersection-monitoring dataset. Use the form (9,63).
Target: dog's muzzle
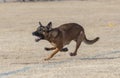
(38,35)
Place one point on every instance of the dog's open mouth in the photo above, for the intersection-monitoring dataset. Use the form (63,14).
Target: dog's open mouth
(38,36)
(37,39)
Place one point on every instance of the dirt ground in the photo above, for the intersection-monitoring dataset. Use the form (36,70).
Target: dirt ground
(22,57)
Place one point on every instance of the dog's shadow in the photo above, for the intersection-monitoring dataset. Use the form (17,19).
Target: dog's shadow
(99,58)
(103,56)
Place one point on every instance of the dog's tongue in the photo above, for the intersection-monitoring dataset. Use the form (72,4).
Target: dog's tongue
(37,39)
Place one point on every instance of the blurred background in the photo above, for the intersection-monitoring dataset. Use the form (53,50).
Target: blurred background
(35,0)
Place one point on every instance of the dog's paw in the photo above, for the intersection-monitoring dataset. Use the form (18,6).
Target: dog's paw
(64,49)
(47,49)
(73,54)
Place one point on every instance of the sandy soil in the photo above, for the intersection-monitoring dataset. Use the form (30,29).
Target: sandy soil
(22,57)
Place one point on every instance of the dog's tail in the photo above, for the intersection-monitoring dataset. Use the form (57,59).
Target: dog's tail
(90,41)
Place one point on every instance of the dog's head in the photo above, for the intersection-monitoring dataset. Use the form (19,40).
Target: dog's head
(42,31)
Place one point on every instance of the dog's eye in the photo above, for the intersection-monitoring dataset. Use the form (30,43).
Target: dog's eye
(40,31)
(44,29)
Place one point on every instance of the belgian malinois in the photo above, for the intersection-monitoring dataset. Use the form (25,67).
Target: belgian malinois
(61,36)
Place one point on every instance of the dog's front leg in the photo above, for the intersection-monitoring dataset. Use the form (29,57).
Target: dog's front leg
(48,49)
(56,51)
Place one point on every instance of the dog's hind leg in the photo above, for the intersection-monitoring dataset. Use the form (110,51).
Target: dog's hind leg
(75,52)
(78,43)
(64,49)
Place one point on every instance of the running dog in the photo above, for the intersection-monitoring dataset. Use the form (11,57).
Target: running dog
(61,36)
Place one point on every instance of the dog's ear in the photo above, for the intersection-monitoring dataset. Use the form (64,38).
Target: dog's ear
(40,23)
(49,26)
(54,33)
